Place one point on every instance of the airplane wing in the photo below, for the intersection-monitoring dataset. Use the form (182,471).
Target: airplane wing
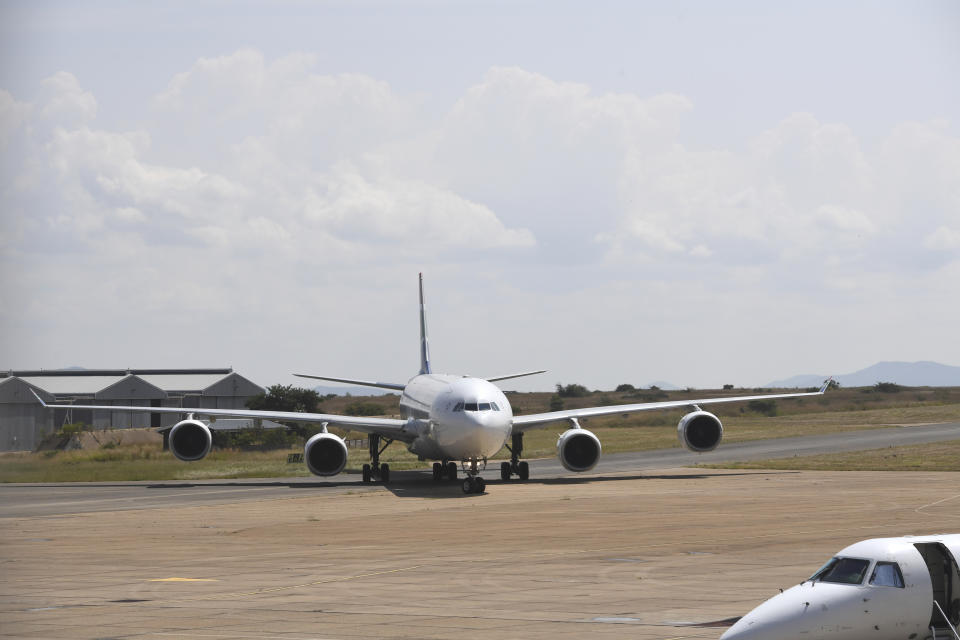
(392,428)
(363,383)
(534,420)
(510,376)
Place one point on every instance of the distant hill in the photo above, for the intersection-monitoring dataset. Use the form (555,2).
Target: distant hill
(908,374)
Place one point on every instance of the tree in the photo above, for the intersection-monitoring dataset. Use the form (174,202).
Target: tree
(625,387)
(572,391)
(556,403)
(287,398)
(727,387)
(887,387)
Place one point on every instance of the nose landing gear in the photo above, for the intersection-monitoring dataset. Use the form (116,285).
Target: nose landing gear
(473,483)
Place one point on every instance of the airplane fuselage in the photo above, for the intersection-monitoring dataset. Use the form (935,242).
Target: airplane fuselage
(456,417)
(883,589)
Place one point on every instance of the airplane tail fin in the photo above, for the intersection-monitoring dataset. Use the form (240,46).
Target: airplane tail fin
(424,343)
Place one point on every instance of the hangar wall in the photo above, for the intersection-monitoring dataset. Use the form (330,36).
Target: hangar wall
(24,422)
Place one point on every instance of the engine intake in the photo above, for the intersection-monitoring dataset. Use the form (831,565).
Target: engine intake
(578,450)
(325,454)
(700,431)
(190,440)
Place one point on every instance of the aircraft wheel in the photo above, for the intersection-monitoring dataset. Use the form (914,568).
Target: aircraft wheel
(480,484)
(452,470)
(437,471)
(385,473)
(505,471)
(366,473)
(467,485)
(523,470)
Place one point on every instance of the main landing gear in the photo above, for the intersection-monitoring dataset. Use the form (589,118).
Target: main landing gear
(515,466)
(446,470)
(376,470)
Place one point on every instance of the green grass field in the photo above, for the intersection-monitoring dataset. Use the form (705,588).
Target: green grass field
(842,410)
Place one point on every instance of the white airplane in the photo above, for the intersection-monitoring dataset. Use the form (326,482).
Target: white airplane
(880,589)
(447,418)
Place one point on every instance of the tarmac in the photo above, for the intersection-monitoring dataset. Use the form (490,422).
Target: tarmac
(652,554)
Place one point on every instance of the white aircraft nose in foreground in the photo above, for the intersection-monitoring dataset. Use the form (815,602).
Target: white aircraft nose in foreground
(447,418)
(881,589)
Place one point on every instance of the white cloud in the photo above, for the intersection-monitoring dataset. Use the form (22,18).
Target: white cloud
(943,239)
(268,177)
(66,102)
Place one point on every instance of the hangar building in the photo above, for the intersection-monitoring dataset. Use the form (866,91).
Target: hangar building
(24,422)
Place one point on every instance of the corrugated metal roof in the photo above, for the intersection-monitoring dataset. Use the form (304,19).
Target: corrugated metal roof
(185,382)
(68,385)
(81,385)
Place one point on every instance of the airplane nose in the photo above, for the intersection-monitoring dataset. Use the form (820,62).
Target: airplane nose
(800,612)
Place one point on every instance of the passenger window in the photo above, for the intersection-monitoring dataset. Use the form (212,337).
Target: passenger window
(495,407)
(843,571)
(887,574)
(470,406)
(484,406)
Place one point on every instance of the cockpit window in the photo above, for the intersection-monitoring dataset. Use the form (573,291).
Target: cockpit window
(484,406)
(458,407)
(470,406)
(494,406)
(842,571)
(887,574)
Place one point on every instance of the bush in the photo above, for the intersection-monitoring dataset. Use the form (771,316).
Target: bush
(73,428)
(764,407)
(625,387)
(887,387)
(556,402)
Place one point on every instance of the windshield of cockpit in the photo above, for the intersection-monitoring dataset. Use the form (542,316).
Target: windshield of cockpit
(842,571)
(476,406)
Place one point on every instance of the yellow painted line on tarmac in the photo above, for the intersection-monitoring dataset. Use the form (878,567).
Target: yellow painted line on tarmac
(184,580)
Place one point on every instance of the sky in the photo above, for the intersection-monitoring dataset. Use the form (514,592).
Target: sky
(619,192)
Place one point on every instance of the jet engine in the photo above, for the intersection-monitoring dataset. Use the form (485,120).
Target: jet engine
(578,449)
(190,440)
(700,431)
(325,454)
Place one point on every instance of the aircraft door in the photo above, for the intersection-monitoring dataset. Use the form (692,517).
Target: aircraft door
(945,578)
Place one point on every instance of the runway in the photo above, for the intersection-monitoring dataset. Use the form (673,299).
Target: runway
(53,499)
(640,548)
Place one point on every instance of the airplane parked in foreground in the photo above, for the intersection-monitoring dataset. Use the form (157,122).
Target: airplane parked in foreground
(878,589)
(447,418)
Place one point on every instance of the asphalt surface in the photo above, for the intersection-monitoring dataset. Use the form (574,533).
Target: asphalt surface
(26,500)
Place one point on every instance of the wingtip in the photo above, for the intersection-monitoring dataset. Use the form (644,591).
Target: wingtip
(39,399)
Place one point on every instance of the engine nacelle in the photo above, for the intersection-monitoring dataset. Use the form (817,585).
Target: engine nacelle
(325,454)
(578,449)
(700,431)
(190,440)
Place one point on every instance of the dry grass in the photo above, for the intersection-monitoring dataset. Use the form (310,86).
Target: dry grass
(940,456)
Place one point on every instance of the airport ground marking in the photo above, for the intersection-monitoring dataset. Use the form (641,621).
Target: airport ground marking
(941,501)
(184,580)
(307,584)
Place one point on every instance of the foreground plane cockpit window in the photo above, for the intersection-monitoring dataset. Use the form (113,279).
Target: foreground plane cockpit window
(887,574)
(842,571)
